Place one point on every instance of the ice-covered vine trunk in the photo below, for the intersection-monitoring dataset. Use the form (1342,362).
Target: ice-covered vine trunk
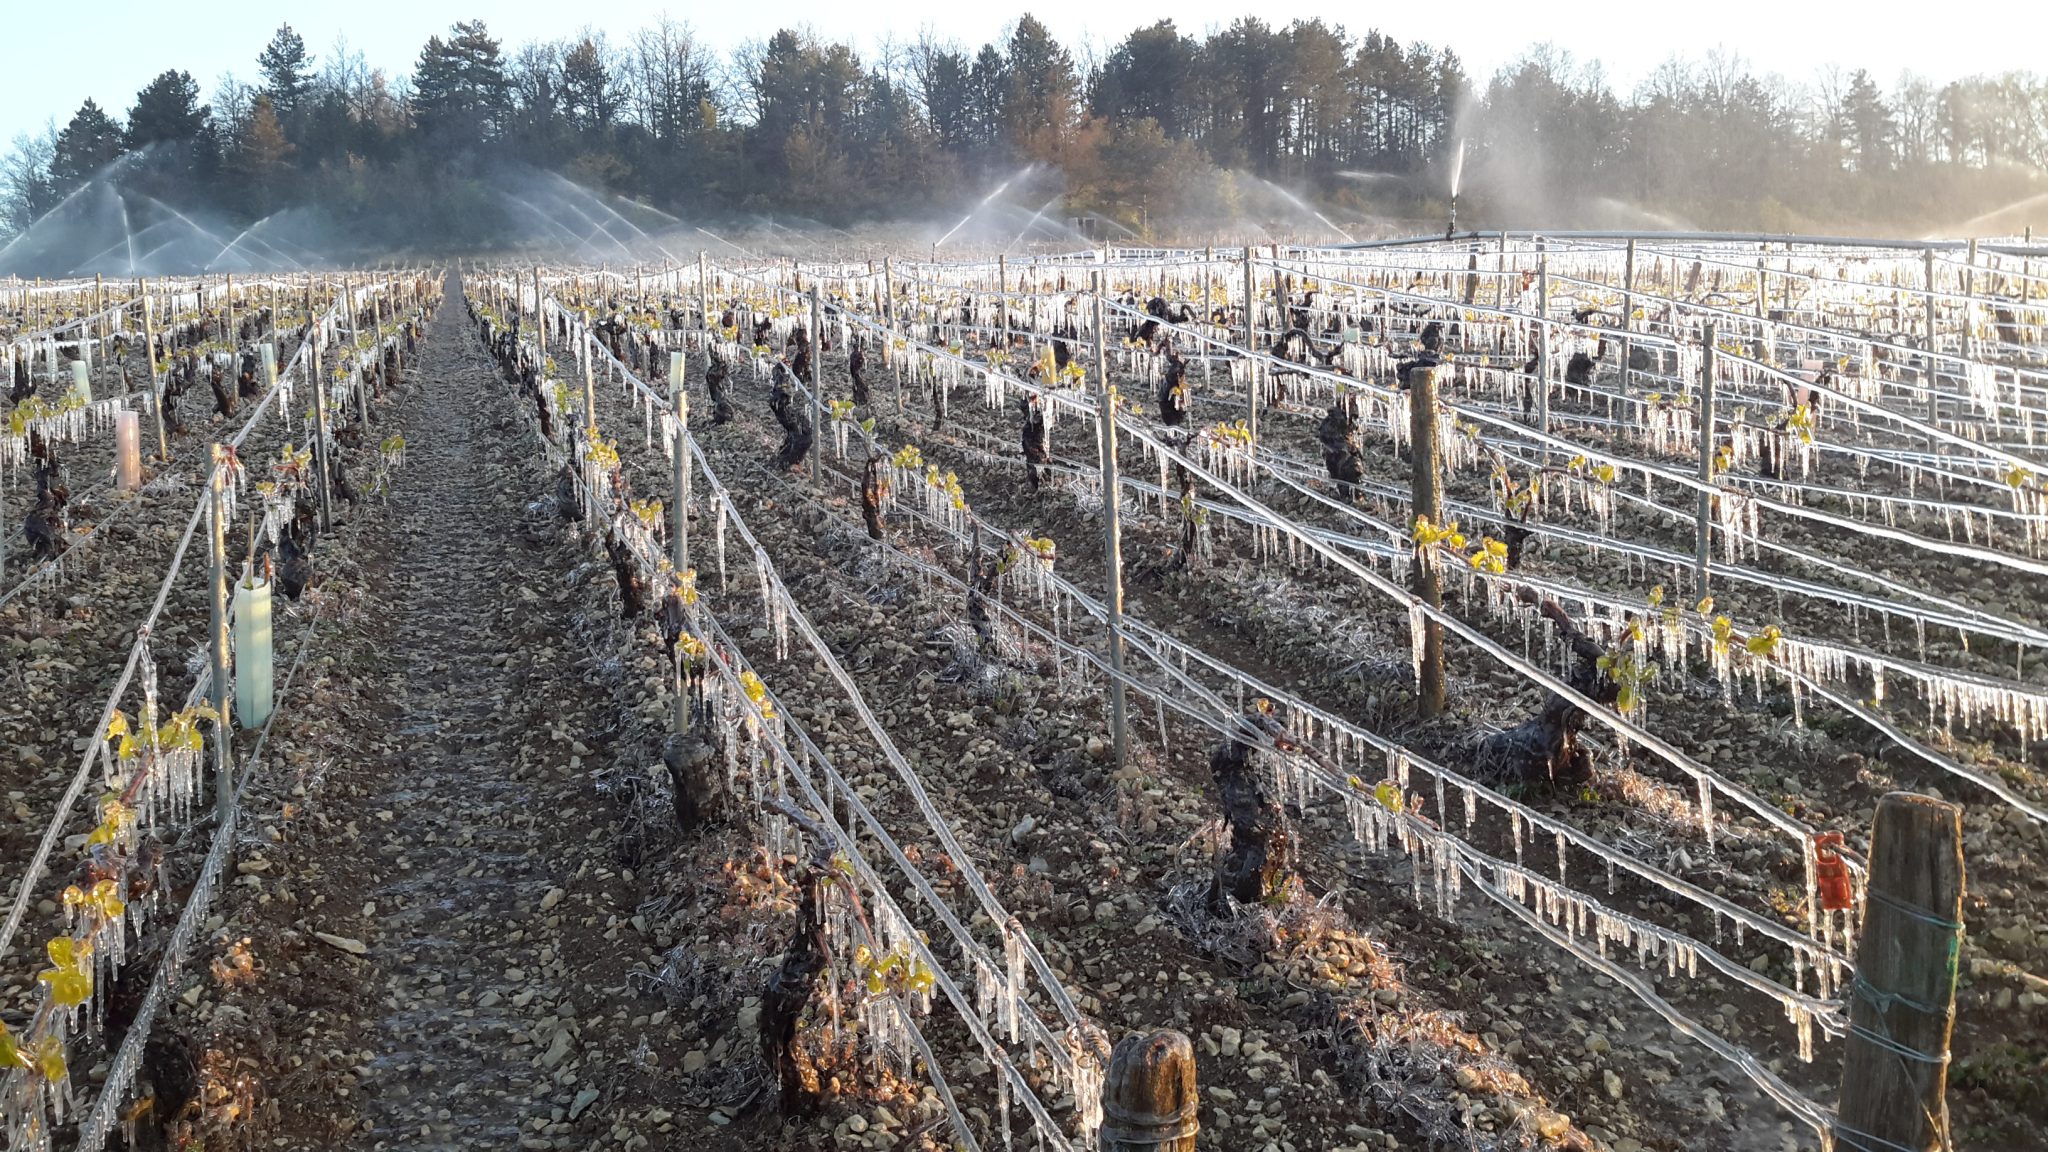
(632,589)
(716,373)
(1036,443)
(1545,748)
(1516,534)
(1253,863)
(1338,434)
(1173,391)
(1191,542)
(874,489)
(693,753)
(796,427)
(793,982)
(983,576)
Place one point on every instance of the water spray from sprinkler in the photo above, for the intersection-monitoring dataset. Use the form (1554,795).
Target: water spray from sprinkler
(1020,174)
(1457,173)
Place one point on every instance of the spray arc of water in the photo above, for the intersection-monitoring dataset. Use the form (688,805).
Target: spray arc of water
(985,201)
(1032,223)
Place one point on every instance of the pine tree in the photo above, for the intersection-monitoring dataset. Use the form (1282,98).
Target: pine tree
(287,70)
(459,90)
(91,141)
(167,110)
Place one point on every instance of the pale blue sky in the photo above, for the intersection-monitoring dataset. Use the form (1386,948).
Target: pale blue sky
(59,54)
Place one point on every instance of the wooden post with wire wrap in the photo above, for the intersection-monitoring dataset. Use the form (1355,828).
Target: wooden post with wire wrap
(1902,999)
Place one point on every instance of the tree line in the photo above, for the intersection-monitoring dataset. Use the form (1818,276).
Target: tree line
(1164,128)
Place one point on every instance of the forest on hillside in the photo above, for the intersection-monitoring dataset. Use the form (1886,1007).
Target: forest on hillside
(1158,133)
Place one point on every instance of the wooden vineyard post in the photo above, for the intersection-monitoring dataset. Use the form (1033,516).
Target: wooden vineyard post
(1628,312)
(540,321)
(1031,341)
(1149,1099)
(1933,396)
(1112,529)
(156,400)
(362,377)
(2027,270)
(1500,269)
(1902,1000)
(704,296)
(1280,324)
(99,305)
(1703,539)
(1763,315)
(1003,300)
(679,519)
(1251,345)
(889,319)
(587,347)
(1208,307)
(223,683)
(1426,489)
(1970,302)
(319,427)
(817,324)
(679,516)
(1542,338)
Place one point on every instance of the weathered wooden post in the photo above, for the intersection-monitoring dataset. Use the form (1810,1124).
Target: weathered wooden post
(817,325)
(587,346)
(223,693)
(1251,344)
(362,378)
(2027,270)
(1703,540)
(1149,1099)
(1003,300)
(1208,307)
(1426,487)
(1112,528)
(889,318)
(710,324)
(1763,315)
(319,426)
(1280,323)
(1970,302)
(1628,312)
(156,400)
(540,322)
(1542,337)
(1902,999)
(1933,395)
(679,518)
